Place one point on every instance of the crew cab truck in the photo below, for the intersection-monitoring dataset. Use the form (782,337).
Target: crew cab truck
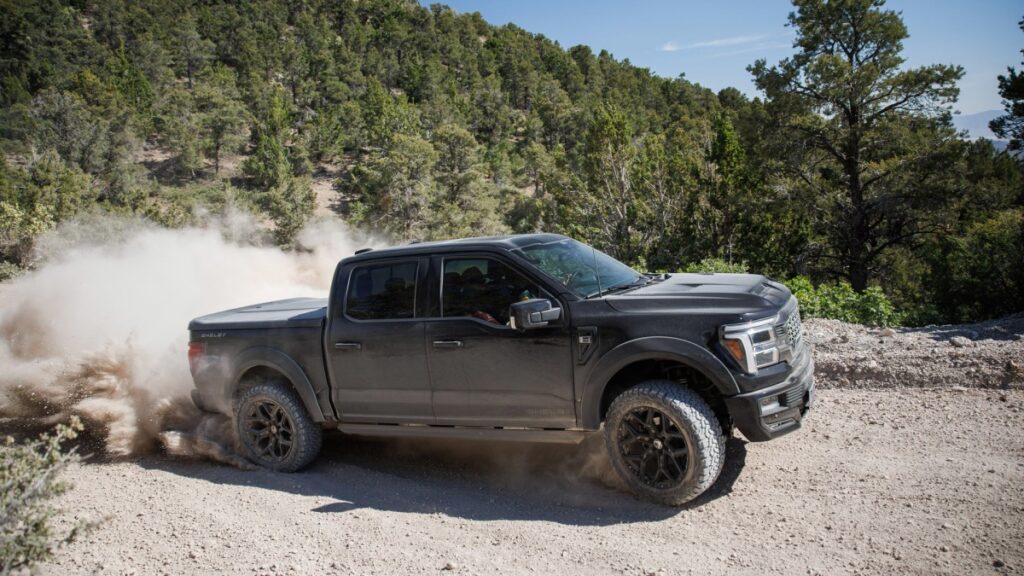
(532,338)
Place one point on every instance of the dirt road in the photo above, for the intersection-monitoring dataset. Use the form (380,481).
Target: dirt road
(879,481)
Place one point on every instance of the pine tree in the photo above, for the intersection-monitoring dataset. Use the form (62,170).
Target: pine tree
(856,123)
(1011,124)
(268,167)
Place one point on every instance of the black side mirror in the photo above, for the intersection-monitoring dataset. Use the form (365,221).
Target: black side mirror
(533,313)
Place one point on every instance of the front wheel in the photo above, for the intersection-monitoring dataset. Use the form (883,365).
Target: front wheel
(664,441)
(275,430)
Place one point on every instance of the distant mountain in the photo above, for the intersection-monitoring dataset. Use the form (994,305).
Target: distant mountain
(976,125)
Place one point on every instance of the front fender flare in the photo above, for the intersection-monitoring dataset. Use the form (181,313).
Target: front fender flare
(281,362)
(650,348)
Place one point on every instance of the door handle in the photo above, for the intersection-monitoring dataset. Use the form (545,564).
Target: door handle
(348,346)
(447,343)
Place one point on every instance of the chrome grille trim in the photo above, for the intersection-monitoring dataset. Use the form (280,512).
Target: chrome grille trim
(790,328)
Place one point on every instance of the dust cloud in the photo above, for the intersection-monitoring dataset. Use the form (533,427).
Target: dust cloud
(99,329)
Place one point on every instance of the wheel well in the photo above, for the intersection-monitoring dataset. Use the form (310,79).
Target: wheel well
(685,375)
(259,375)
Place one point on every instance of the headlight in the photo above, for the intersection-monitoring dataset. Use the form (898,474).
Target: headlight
(753,344)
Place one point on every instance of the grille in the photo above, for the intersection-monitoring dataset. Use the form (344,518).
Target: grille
(791,327)
(794,396)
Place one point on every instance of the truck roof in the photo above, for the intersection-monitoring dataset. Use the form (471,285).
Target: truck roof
(509,242)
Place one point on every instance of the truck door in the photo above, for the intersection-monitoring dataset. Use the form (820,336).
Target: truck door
(483,372)
(375,344)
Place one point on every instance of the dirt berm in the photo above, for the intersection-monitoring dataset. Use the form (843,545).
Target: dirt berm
(912,462)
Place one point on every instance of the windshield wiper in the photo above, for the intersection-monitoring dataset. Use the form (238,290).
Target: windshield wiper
(640,281)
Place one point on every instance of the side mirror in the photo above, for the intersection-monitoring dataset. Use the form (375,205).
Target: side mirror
(533,313)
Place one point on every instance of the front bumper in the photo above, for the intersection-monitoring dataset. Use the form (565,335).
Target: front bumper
(794,396)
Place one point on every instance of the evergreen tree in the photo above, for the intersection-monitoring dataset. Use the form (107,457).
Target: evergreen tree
(1011,88)
(191,49)
(871,128)
(465,204)
(290,206)
(179,124)
(610,209)
(396,188)
(224,120)
(439,125)
(268,167)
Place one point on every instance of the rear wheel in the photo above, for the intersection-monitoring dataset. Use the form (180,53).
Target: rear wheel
(275,430)
(664,441)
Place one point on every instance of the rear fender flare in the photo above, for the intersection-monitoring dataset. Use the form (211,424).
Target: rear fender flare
(651,348)
(281,362)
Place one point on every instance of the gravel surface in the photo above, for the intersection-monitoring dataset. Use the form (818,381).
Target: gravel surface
(879,481)
(911,462)
(984,355)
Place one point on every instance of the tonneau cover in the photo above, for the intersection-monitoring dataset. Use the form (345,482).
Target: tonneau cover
(291,313)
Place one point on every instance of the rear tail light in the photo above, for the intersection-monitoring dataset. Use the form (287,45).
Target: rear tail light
(196,350)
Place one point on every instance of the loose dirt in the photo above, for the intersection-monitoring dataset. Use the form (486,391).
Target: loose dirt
(911,479)
(983,355)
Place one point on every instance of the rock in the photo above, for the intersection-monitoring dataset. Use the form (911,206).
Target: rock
(998,563)
(450,566)
(1014,370)
(960,342)
(887,333)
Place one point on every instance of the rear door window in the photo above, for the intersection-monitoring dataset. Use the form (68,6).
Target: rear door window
(382,291)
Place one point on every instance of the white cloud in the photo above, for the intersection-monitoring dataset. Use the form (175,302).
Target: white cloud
(759,47)
(731,41)
(757,40)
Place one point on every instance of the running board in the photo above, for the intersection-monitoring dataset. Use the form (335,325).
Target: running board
(466,432)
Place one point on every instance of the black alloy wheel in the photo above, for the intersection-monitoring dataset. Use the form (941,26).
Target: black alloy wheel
(274,429)
(654,448)
(270,430)
(664,441)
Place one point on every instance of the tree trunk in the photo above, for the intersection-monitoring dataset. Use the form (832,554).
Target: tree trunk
(857,251)
(858,237)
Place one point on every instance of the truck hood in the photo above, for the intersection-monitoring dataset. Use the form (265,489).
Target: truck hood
(748,296)
(291,313)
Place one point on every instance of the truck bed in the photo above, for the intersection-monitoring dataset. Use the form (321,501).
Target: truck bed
(290,313)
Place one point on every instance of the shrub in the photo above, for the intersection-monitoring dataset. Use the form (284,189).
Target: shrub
(839,301)
(709,265)
(9,270)
(28,480)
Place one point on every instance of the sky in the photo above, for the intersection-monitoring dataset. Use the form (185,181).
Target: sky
(712,43)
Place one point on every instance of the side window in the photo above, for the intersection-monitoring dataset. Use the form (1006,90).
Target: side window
(483,288)
(382,291)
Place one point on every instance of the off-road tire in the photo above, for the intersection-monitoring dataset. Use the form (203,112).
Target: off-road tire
(306,435)
(689,416)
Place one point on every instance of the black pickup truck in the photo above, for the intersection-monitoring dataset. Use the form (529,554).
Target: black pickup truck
(533,338)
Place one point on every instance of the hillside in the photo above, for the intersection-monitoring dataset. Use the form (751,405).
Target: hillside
(418,122)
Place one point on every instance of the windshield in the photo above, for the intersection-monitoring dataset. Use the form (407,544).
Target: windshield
(580,268)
